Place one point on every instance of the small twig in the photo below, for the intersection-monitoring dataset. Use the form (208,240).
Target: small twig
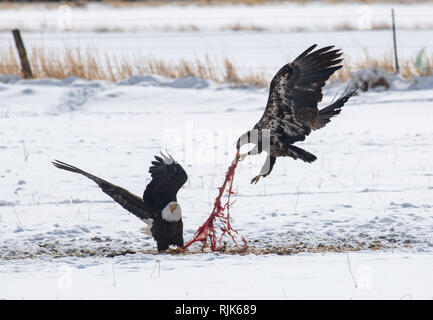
(34,199)
(114,276)
(157,263)
(357,163)
(18,219)
(297,199)
(4,111)
(26,151)
(350,270)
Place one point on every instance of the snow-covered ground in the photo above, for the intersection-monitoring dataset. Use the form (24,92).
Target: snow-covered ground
(370,190)
(212,276)
(357,223)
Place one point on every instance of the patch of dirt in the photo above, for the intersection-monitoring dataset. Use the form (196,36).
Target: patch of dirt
(255,247)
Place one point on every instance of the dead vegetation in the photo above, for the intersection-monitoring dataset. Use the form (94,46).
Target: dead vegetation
(92,64)
(58,250)
(229,27)
(243,27)
(4,5)
(119,3)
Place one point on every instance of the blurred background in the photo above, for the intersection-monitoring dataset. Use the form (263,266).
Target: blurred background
(241,41)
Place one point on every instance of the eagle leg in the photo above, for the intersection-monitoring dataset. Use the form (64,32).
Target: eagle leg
(266,169)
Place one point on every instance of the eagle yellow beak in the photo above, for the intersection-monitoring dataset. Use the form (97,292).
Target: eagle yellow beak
(173,207)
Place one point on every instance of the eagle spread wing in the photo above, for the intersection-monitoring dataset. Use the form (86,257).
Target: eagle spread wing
(295,91)
(126,199)
(167,178)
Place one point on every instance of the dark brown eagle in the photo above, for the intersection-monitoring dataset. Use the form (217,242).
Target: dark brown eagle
(158,206)
(291,112)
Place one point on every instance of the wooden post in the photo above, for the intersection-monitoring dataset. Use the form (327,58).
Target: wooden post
(395,41)
(25,65)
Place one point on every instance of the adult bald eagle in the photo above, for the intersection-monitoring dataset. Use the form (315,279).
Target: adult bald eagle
(158,207)
(291,112)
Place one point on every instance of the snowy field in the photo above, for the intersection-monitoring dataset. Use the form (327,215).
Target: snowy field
(248,50)
(254,38)
(357,223)
(369,190)
(311,16)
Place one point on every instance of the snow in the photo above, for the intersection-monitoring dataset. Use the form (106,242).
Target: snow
(213,276)
(355,224)
(370,188)
(313,16)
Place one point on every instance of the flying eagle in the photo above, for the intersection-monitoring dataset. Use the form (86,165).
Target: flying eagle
(291,112)
(158,207)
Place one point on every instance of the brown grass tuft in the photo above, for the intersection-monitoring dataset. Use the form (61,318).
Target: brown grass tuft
(242,27)
(119,3)
(91,64)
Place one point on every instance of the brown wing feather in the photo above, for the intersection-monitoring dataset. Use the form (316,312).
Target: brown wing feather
(295,92)
(126,199)
(334,108)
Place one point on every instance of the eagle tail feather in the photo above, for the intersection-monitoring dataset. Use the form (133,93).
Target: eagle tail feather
(302,154)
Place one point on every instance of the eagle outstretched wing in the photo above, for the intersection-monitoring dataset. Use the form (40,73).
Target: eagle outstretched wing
(167,178)
(296,90)
(126,199)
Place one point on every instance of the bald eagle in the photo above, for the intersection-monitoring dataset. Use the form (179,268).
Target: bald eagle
(291,112)
(158,207)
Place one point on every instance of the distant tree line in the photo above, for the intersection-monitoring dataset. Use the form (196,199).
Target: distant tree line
(83,1)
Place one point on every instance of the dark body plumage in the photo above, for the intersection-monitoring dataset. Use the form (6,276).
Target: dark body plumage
(291,112)
(167,179)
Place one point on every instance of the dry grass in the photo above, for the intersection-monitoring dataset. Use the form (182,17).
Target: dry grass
(93,65)
(119,3)
(350,26)
(242,27)
(139,3)
(57,250)
(230,27)
(386,63)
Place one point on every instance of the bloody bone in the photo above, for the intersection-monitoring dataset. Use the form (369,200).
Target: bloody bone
(207,230)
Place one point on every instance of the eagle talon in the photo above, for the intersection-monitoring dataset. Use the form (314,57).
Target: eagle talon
(256,179)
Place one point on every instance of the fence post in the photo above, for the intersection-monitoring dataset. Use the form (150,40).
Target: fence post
(395,41)
(25,65)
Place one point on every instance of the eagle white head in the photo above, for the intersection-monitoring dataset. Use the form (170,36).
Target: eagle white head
(172,212)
